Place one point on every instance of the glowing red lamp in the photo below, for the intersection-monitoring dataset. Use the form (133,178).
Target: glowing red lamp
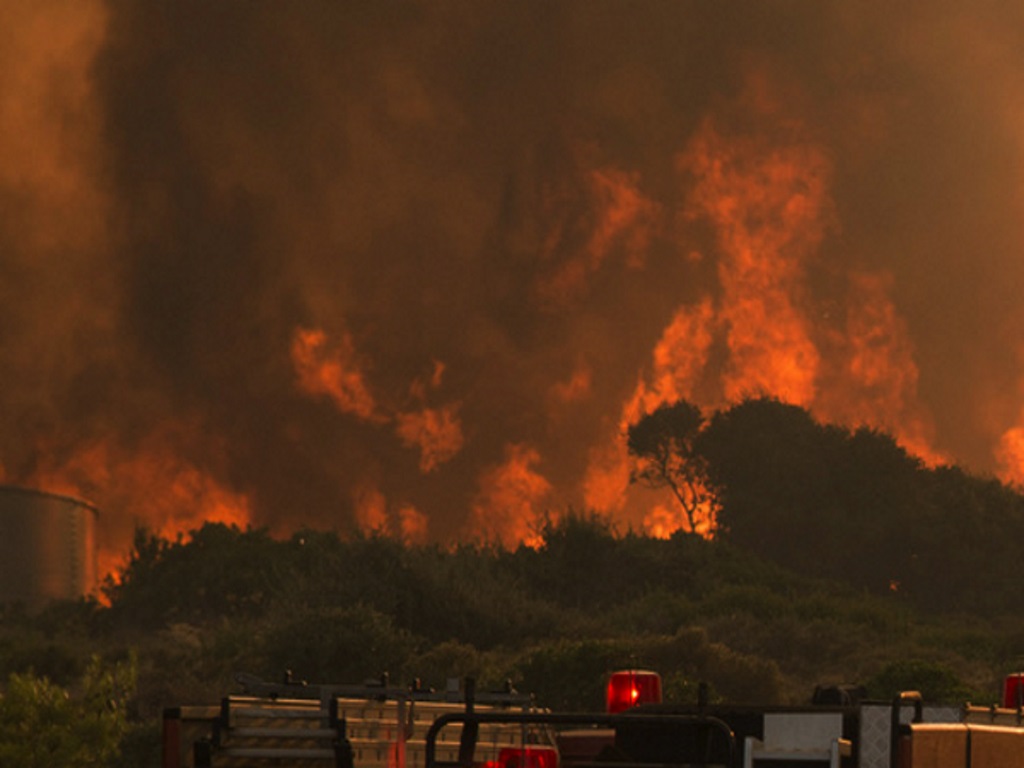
(1013,690)
(631,687)
(528,757)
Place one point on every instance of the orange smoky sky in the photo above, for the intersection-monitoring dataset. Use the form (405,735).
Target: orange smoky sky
(414,267)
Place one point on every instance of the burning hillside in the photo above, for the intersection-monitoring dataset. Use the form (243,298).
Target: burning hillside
(414,268)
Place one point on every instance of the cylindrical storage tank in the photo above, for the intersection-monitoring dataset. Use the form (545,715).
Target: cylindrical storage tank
(47,546)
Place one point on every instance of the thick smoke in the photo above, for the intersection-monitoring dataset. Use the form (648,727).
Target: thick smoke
(415,266)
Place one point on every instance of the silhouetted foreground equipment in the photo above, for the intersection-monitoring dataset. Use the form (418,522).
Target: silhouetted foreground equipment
(250,729)
(700,739)
(803,737)
(985,737)
(379,726)
(369,726)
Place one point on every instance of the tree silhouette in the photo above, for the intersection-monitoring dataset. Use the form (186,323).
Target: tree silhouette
(662,443)
(771,464)
(818,498)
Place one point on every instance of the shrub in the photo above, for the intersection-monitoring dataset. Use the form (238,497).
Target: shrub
(43,725)
(935,682)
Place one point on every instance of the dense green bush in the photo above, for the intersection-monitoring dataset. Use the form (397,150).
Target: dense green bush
(933,680)
(44,725)
(344,644)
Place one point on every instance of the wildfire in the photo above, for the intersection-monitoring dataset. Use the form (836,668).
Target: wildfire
(152,482)
(482,300)
(877,385)
(679,359)
(766,197)
(371,510)
(606,482)
(508,507)
(663,520)
(1009,450)
(374,516)
(437,432)
(769,208)
(413,525)
(334,371)
(619,215)
(624,214)
(1010,453)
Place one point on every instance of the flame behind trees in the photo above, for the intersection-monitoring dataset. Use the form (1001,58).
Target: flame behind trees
(361,302)
(663,444)
(839,503)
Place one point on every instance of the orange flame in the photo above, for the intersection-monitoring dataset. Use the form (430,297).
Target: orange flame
(150,482)
(678,361)
(371,510)
(1010,455)
(372,516)
(338,373)
(606,481)
(665,519)
(679,358)
(335,372)
(507,508)
(437,432)
(877,385)
(624,217)
(766,197)
(413,525)
(769,209)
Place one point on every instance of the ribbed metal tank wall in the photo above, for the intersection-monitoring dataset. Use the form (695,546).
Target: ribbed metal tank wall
(47,546)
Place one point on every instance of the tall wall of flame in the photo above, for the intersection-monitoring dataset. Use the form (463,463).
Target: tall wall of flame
(413,267)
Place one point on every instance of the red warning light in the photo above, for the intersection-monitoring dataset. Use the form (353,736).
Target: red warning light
(1013,690)
(527,757)
(631,687)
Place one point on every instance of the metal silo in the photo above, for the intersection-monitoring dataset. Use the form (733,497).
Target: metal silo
(47,546)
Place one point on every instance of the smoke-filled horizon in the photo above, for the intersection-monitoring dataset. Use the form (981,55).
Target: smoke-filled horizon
(415,266)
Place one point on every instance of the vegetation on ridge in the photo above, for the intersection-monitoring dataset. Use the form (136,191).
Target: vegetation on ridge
(839,560)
